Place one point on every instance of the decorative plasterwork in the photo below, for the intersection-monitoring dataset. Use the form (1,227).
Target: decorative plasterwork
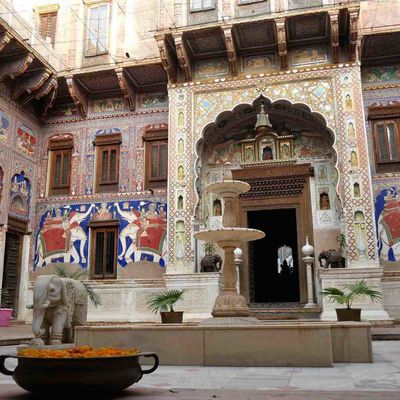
(126,88)
(282,42)
(335,48)
(29,83)
(77,94)
(15,67)
(231,50)
(48,8)
(183,57)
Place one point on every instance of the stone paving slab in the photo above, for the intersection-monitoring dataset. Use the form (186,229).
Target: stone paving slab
(140,393)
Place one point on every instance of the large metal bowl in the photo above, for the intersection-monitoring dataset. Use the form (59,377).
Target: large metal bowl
(61,375)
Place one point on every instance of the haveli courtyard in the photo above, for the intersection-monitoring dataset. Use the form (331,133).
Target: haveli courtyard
(240,155)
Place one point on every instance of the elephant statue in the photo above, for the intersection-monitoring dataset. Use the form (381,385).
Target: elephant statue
(333,259)
(211,263)
(59,304)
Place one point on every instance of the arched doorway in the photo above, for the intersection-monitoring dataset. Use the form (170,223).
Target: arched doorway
(277,152)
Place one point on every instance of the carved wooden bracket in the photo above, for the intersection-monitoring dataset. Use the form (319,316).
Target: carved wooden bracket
(354,39)
(5,38)
(166,58)
(280,24)
(231,50)
(183,56)
(48,102)
(16,66)
(42,91)
(78,95)
(126,88)
(334,22)
(29,83)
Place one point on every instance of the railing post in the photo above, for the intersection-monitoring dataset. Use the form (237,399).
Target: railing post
(308,252)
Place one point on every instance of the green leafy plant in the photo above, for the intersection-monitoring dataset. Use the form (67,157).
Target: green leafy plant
(354,291)
(62,272)
(164,301)
(209,248)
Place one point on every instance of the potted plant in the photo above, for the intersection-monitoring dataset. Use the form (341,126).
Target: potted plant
(211,262)
(5,313)
(164,304)
(347,298)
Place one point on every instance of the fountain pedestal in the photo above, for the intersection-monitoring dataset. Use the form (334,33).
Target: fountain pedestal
(230,307)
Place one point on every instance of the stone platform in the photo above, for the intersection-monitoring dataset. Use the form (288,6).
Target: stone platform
(283,344)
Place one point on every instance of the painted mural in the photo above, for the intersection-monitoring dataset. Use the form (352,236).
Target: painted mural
(105,105)
(387,218)
(63,232)
(20,196)
(4,124)
(153,100)
(382,75)
(26,140)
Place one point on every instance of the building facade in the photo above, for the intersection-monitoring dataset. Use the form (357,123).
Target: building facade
(117,115)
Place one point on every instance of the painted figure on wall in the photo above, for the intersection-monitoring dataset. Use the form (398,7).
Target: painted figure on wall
(20,196)
(356,190)
(217,208)
(26,141)
(387,217)
(348,102)
(324,203)
(63,235)
(285,150)
(181,147)
(180,118)
(180,240)
(249,154)
(4,124)
(267,153)
(322,173)
(181,173)
(350,130)
(354,159)
(179,205)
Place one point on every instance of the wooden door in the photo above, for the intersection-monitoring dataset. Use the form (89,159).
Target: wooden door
(11,271)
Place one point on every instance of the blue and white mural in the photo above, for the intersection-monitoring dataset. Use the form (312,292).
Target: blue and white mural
(387,219)
(63,232)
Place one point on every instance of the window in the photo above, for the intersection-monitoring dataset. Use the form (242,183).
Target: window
(156,159)
(47,26)
(199,5)
(386,130)
(104,252)
(60,166)
(97,30)
(108,147)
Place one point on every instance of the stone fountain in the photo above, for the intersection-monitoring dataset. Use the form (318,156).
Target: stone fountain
(230,307)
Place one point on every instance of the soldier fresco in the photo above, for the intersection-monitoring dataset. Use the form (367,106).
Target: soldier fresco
(26,141)
(63,233)
(387,217)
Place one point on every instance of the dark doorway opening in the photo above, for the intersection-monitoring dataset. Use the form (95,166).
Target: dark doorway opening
(273,260)
(11,272)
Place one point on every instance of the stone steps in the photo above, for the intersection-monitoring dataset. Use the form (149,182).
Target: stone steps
(285,313)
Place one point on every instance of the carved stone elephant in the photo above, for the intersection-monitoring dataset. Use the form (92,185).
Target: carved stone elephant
(333,259)
(211,263)
(59,304)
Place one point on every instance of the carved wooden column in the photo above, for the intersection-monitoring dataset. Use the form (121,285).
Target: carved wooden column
(231,50)
(354,40)
(183,56)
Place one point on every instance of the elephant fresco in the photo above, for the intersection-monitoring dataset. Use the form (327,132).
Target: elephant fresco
(387,218)
(59,304)
(63,233)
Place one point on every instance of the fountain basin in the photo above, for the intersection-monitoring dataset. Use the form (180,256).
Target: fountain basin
(229,187)
(236,235)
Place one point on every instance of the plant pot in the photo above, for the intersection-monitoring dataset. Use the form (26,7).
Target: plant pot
(348,314)
(5,316)
(171,317)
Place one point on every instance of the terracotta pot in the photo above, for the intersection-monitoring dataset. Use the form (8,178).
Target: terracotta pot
(61,375)
(348,314)
(171,317)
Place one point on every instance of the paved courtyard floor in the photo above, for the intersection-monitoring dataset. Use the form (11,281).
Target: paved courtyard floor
(379,380)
